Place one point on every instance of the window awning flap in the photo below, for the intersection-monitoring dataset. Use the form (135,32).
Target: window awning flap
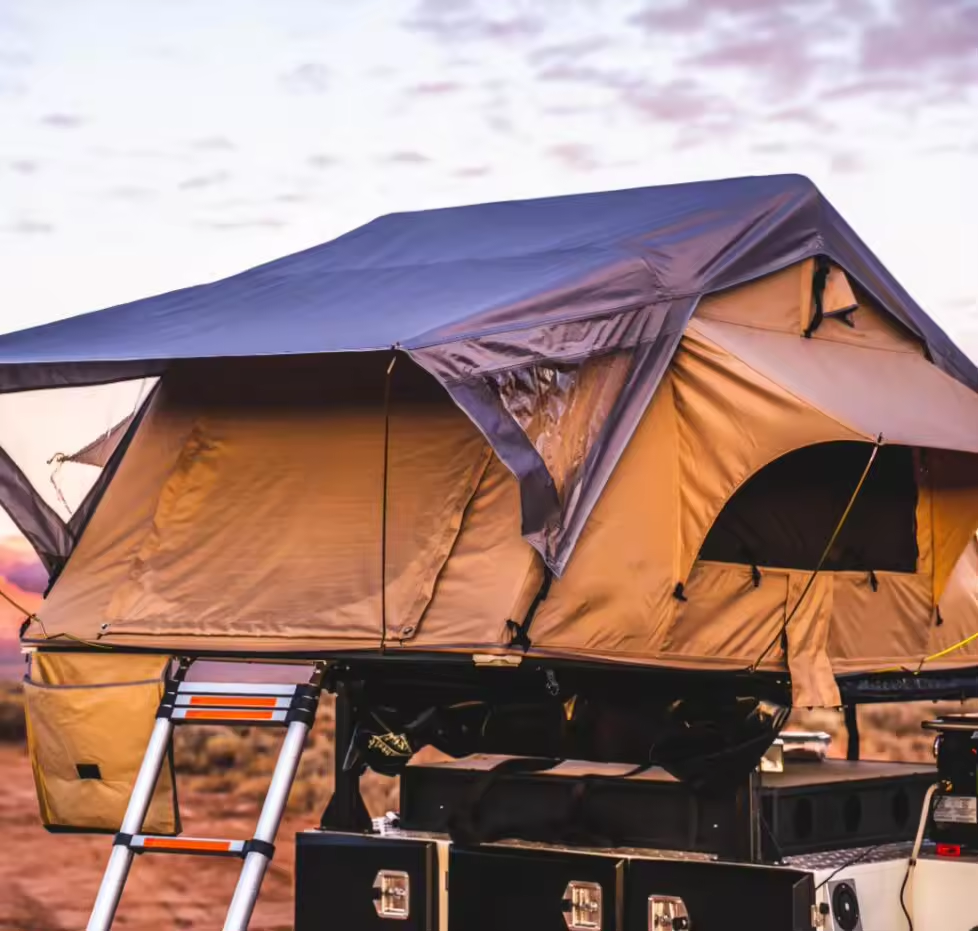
(900,395)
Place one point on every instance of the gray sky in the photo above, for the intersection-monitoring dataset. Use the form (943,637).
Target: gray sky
(147,145)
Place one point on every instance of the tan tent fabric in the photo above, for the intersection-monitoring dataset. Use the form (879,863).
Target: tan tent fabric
(775,302)
(869,391)
(616,597)
(284,510)
(954,485)
(103,668)
(812,679)
(82,712)
(484,582)
(871,629)
(726,621)
(959,614)
(783,302)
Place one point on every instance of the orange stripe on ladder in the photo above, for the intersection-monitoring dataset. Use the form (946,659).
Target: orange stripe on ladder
(209,846)
(232,701)
(229,716)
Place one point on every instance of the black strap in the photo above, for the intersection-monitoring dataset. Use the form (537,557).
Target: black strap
(575,825)
(874,583)
(820,276)
(520,633)
(263,847)
(755,575)
(122,840)
(852,732)
(464,823)
(679,592)
(843,316)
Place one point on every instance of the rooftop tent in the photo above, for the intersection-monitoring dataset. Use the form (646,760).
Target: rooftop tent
(631,418)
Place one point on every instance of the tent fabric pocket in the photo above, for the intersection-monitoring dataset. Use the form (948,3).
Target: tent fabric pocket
(86,739)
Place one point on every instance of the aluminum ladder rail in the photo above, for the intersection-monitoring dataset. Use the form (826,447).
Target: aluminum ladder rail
(288,705)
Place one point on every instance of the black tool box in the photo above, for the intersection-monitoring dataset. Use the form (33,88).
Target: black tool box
(807,808)
(425,883)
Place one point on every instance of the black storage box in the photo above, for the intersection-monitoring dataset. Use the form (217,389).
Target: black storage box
(509,887)
(808,808)
(336,883)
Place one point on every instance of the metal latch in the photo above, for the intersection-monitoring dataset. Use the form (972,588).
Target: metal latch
(392,894)
(668,913)
(582,906)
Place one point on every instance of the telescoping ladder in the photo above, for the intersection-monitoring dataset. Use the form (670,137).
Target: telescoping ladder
(290,706)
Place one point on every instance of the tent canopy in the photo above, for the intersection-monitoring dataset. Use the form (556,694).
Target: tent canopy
(417,280)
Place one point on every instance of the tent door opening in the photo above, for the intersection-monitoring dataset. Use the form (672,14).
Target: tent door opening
(784,515)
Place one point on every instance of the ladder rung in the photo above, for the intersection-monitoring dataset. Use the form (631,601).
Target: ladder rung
(286,690)
(201,846)
(232,701)
(229,715)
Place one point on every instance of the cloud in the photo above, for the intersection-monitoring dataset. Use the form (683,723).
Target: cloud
(684,102)
(322,161)
(213,144)
(24,166)
(434,89)
(14,58)
(62,120)
(770,148)
(681,101)
(245,224)
(574,155)
(309,78)
(472,171)
(585,74)
(453,21)
(783,47)
(784,65)
(847,163)
(293,197)
(806,117)
(408,158)
(20,566)
(870,87)
(128,192)
(570,51)
(923,38)
(30,228)
(198,182)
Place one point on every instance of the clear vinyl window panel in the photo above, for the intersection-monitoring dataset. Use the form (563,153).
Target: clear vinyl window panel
(563,406)
(60,438)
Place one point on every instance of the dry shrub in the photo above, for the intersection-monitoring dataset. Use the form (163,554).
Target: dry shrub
(13,724)
(887,732)
(240,761)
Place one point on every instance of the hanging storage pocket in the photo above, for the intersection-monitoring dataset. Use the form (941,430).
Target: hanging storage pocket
(89,720)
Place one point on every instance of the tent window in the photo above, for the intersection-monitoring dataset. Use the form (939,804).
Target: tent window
(785,514)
